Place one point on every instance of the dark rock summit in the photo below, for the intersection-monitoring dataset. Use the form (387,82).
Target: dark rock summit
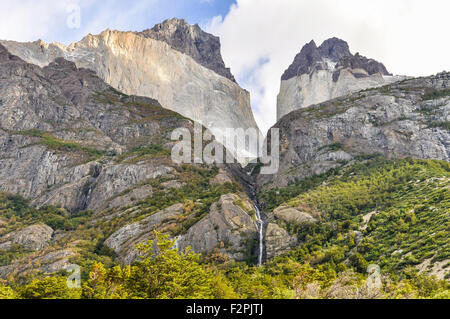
(304,61)
(203,47)
(358,61)
(334,50)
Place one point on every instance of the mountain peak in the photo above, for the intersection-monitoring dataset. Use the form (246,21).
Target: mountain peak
(334,49)
(303,62)
(191,40)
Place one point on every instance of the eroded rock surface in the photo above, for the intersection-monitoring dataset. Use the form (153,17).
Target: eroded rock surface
(227,227)
(405,119)
(278,241)
(329,71)
(62,130)
(34,237)
(293,215)
(174,73)
(203,47)
(124,240)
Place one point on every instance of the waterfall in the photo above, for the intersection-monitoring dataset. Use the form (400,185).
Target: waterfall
(261,234)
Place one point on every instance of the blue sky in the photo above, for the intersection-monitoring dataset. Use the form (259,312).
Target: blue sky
(137,15)
(47,19)
(259,37)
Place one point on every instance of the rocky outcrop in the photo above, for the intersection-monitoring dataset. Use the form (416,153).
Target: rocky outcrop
(404,119)
(34,237)
(221,178)
(278,241)
(227,227)
(293,215)
(137,64)
(203,47)
(329,71)
(47,262)
(124,240)
(62,133)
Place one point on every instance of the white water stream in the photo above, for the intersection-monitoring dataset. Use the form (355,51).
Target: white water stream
(261,235)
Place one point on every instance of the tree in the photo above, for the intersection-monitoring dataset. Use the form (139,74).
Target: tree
(6,292)
(49,288)
(164,272)
(106,284)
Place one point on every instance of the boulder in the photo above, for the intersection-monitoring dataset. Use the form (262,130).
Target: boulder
(278,241)
(227,227)
(293,215)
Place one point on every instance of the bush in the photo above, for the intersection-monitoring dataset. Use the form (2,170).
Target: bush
(49,288)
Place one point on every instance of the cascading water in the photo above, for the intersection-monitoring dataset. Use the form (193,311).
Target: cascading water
(261,235)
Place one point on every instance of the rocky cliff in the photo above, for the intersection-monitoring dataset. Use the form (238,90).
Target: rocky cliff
(405,119)
(355,167)
(80,161)
(203,47)
(322,73)
(175,63)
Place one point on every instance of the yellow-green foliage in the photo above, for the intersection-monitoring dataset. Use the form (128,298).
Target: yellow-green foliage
(410,198)
(7,292)
(410,224)
(49,288)
(57,144)
(162,273)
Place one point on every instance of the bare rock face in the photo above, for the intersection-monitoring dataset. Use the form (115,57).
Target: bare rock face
(221,178)
(293,215)
(203,47)
(42,262)
(329,71)
(35,237)
(405,119)
(227,227)
(124,240)
(131,197)
(278,241)
(61,132)
(68,139)
(181,68)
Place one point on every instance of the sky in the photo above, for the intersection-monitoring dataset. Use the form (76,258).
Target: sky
(259,37)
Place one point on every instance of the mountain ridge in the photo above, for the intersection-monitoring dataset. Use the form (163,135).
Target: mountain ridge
(173,78)
(193,41)
(319,74)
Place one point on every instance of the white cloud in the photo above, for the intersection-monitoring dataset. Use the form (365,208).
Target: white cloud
(261,37)
(28,20)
